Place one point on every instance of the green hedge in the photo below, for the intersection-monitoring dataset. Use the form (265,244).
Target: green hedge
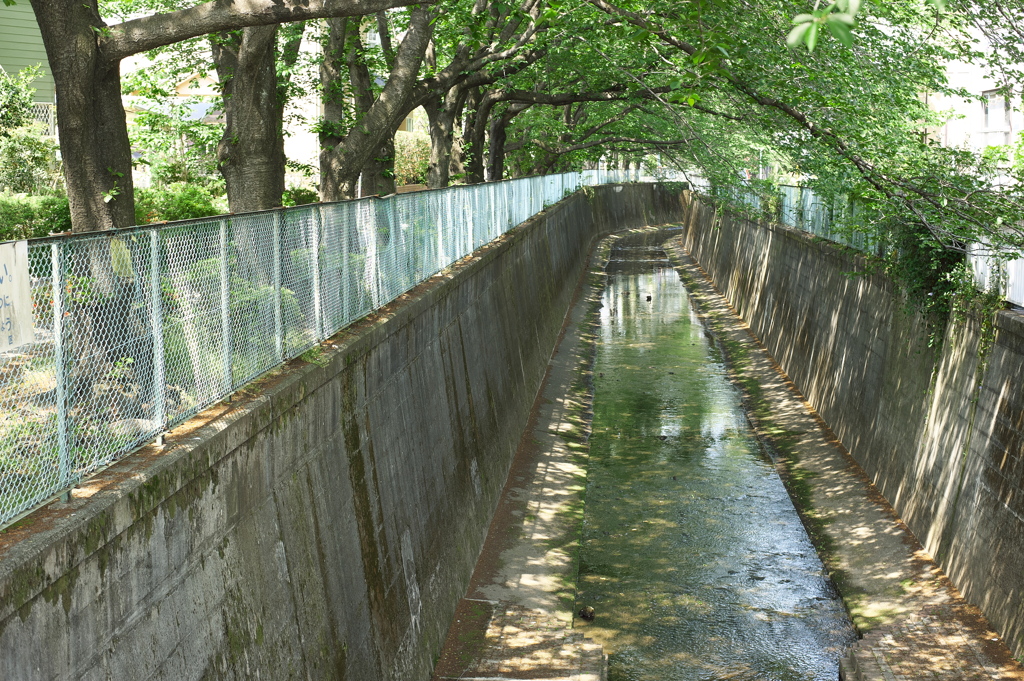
(23,217)
(177,201)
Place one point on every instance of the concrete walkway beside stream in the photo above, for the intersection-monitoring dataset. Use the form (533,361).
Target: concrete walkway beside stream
(515,621)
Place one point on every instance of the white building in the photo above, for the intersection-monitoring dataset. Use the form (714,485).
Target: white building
(991,119)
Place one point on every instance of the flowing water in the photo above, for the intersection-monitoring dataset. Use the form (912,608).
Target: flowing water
(693,556)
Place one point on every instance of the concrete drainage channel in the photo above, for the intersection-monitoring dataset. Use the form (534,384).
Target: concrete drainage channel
(516,619)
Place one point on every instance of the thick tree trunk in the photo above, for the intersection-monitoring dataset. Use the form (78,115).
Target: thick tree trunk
(475,134)
(334,81)
(346,148)
(251,153)
(498,135)
(93,133)
(379,173)
(442,114)
(441,123)
(456,165)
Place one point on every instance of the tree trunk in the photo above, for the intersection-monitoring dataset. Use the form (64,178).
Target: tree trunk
(251,153)
(456,167)
(379,173)
(442,113)
(475,134)
(93,132)
(346,148)
(498,136)
(441,123)
(333,78)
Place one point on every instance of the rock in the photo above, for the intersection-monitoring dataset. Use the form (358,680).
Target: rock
(133,428)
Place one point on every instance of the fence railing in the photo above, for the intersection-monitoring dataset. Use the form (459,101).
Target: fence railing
(801,208)
(990,270)
(135,331)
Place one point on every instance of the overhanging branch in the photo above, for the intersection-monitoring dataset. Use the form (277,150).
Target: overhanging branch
(146,33)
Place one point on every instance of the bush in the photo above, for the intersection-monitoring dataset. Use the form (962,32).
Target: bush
(28,163)
(298,196)
(178,201)
(24,217)
(16,98)
(412,158)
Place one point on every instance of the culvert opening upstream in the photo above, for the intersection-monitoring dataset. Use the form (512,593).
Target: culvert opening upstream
(693,556)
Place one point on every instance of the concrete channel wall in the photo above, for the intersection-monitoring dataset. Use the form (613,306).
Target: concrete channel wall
(940,432)
(325,522)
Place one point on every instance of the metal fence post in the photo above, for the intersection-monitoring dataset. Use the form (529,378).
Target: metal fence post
(225,306)
(157,317)
(318,313)
(440,222)
(278,309)
(348,230)
(57,282)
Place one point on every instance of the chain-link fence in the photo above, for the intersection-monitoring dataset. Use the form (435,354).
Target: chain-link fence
(995,270)
(837,221)
(135,331)
(801,208)
(45,115)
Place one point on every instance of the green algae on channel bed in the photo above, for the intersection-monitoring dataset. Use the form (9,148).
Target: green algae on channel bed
(693,555)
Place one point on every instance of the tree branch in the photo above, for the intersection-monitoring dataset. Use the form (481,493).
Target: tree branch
(146,33)
(657,144)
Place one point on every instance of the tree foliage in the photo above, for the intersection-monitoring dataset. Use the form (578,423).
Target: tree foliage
(828,94)
(16,99)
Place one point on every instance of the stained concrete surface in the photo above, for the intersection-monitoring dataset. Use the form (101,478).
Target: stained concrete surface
(917,625)
(515,621)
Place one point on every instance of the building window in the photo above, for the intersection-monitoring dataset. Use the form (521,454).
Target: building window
(997,117)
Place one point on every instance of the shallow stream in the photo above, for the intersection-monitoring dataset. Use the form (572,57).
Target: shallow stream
(693,556)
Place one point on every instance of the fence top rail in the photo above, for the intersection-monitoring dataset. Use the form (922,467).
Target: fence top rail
(170,224)
(114,336)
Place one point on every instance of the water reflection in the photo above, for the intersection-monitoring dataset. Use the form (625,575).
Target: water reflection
(693,555)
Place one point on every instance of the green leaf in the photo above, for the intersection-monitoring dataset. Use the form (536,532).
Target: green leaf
(842,17)
(841,32)
(803,18)
(812,37)
(797,34)
(10,3)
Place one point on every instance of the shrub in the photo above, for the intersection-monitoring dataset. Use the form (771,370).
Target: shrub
(28,163)
(177,201)
(412,158)
(298,196)
(24,217)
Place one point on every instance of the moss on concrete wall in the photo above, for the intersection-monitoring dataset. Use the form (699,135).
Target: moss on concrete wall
(325,522)
(940,433)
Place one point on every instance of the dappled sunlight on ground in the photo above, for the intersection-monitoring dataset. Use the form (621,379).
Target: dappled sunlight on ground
(916,624)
